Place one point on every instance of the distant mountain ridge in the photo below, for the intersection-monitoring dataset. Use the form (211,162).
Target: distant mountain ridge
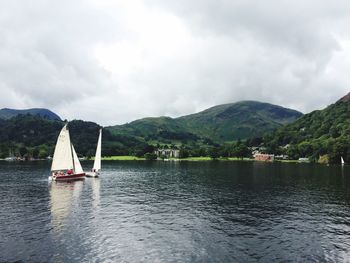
(222,123)
(7,113)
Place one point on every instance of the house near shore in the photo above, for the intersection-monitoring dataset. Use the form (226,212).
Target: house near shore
(167,153)
(263,157)
(257,150)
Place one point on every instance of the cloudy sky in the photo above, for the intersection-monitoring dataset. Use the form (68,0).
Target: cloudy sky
(113,61)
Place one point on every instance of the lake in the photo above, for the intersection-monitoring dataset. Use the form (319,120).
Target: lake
(177,212)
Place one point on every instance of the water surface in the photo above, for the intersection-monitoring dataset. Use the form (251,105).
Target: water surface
(177,212)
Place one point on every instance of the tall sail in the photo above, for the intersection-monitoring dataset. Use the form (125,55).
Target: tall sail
(342,160)
(62,157)
(77,165)
(97,162)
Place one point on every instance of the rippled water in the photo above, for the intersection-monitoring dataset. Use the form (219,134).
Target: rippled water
(177,212)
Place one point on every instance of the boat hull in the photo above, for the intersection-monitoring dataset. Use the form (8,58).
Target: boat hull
(70,177)
(92,174)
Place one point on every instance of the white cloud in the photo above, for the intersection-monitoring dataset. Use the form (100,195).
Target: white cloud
(115,61)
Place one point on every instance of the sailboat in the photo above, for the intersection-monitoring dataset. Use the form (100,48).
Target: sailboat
(342,160)
(65,163)
(97,162)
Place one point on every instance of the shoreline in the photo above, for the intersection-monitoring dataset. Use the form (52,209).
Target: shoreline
(194,159)
(188,159)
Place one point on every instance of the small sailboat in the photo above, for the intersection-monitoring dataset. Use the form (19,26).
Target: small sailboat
(342,160)
(95,171)
(65,163)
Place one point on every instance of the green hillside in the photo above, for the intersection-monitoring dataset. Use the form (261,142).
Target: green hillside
(321,132)
(157,130)
(6,113)
(33,136)
(241,120)
(222,123)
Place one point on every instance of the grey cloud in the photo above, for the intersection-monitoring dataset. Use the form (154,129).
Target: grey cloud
(298,27)
(45,52)
(283,52)
(288,46)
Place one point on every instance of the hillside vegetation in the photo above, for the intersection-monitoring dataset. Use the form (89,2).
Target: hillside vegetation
(214,132)
(319,133)
(219,124)
(33,136)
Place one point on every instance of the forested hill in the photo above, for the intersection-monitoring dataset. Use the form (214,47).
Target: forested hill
(241,120)
(33,136)
(222,123)
(6,113)
(320,133)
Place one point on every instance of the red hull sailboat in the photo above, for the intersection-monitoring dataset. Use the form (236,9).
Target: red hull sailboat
(65,163)
(68,177)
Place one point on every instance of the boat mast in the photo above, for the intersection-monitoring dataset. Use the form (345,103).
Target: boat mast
(71,150)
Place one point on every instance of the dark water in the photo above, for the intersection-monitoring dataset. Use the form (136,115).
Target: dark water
(177,212)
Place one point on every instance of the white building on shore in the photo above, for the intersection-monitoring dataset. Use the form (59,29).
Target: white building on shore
(167,153)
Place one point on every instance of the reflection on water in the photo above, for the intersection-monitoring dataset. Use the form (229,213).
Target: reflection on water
(95,184)
(63,196)
(177,212)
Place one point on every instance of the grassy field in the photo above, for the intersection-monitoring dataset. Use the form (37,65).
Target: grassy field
(196,159)
(122,158)
(290,161)
(235,159)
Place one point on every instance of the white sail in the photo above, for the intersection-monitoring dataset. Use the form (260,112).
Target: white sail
(342,160)
(62,158)
(97,162)
(77,165)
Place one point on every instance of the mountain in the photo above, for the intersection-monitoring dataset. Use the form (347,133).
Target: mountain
(222,123)
(241,120)
(321,132)
(34,133)
(7,113)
